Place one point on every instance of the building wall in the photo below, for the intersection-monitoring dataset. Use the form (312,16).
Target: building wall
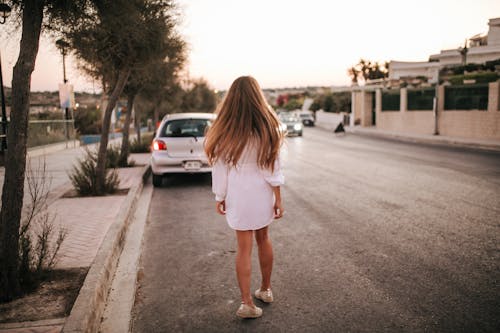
(399,69)
(357,106)
(329,120)
(476,54)
(494,31)
(361,107)
(470,124)
(411,122)
(366,116)
(454,123)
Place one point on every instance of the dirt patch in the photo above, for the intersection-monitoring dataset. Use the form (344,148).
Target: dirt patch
(73,194)
(53,299)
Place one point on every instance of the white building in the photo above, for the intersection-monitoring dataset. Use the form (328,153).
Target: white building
(481,48)
(403,69)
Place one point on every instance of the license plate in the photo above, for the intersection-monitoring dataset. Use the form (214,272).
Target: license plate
(192,165)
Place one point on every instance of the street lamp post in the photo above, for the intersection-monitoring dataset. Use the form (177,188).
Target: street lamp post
(4,13)
(62,45)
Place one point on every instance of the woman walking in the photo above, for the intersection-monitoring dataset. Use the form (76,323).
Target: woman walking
(243,147)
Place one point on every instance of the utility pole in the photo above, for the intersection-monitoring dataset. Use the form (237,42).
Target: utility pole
(435,106)
(4,113)
(62,45)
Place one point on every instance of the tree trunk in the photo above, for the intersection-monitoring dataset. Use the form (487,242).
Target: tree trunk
(106,122)
(124,151)
(137,121)
(156,112)
(15,161)
(156,116)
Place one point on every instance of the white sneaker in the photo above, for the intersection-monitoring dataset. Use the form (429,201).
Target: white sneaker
(265,296)
(246,311)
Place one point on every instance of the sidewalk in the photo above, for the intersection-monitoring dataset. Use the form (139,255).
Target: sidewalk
(87,219)
(490,145)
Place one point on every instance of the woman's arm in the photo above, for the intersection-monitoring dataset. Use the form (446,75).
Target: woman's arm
(219,185)
(278,205)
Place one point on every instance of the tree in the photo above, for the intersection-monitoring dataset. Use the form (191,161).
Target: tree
(155,75)
(116,38)
(333,102)
(281,100)
(161,84)
(354,73)
(368,70)
(199,97)
(32,13)
(328,103)
(293,104)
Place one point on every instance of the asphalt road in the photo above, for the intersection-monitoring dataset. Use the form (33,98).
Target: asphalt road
(378,236)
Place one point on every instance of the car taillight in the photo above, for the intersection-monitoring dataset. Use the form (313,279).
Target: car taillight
(159,145)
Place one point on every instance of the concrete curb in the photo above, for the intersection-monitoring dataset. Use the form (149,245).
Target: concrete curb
(32,324)
(435,140)
(89,306)
(117,317)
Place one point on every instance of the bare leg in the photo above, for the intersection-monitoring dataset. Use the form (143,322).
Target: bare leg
(265,257)
(244,265)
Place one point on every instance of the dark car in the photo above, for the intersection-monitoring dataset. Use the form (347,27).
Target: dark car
(307,119)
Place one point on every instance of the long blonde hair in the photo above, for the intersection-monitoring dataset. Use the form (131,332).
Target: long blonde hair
(244,114)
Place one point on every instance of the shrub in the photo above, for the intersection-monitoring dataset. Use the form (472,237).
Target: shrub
(113,156)
(84,177)
(144,146)
(491,65)
(484,77)
(88,121)
(38,243)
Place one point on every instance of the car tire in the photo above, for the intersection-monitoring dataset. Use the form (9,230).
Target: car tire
(300,133)
(157,180)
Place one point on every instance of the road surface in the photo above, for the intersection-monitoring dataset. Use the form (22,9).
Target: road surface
(378,236)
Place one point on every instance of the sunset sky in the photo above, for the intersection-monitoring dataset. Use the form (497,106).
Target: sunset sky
(291,43)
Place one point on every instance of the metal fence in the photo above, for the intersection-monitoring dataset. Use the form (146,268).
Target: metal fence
(466,97)
(421,99)
(43,132)
(391,100)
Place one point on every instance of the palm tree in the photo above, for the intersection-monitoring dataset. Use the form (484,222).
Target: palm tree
(354,73)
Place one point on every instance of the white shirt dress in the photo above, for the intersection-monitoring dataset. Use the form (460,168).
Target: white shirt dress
(247,190)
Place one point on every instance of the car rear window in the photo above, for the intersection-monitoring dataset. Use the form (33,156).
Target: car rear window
(185,127)
(289,119)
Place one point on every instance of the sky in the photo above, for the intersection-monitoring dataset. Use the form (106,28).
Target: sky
(289,43)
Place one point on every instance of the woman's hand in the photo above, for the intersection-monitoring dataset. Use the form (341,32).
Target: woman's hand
(220,207)
(278,210)
(278,206)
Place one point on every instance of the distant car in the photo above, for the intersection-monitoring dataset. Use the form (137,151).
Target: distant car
(291,124)
(307,118)
(178,145)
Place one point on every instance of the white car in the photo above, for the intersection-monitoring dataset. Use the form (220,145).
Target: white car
(178,145)
(290,124)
